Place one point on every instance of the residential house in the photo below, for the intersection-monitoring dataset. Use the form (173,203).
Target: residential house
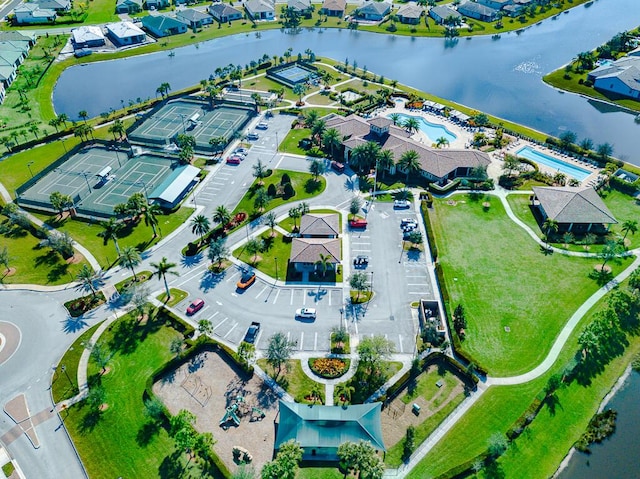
(163,25)
(442,12)
(87,36)
(410,13)
(333,8)
(303,7)
(621,77)
(157,4)
(374,11)
(495,4)
(578,210)
(224,13)
(436,165)
(29,13)
(320,225)
(260,9)
(19,36)
(320,430)
(513,10)
(129,6)
(16,46)
(11,58)
(478,11)
(125,33)
(57,5)
(194,19)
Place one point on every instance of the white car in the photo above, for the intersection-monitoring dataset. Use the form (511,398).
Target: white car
(401,204)
(262,125)
(306,313)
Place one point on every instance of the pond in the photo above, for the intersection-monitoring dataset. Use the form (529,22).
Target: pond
(502,76)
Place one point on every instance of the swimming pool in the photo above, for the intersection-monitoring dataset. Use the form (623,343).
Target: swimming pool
(432,130)
(568,169)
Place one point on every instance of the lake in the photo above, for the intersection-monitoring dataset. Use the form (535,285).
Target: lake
(501,77)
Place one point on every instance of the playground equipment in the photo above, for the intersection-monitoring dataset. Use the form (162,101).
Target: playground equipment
(230,415)
(256,414)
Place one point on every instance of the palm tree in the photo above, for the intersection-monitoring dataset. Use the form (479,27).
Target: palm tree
(310,118)
(5,259)
(316,168)
(221,215)
(409,162)
(395,118)
(88,279)
(110,230)
(150,214)
(271,221)
(33,128)
(344,392)
(84,115)
(323,263)
(200,226)
(294,214)
(317,131)
(629,226)
(442,142)
(549,225)
(332,139)
(261,199)
(365,156)
(386,161)
(300,89)
(163,268)
(218,251)
(412,125)
(62,118)
(253,246)
(130,258)
(260,171)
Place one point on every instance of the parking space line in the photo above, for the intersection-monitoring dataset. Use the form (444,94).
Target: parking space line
(365,250)
(288,336)
(315,341)
(204,309)
(221,323)
(304,297)
(232,276)
(276,298)
(263,290)
(229,332)
(214,315)
(301,340)
(291,302)
(418,292)
(400,343)
(418,284)
(329,298)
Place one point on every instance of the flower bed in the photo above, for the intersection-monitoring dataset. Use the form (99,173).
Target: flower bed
(329,368)
(79,306)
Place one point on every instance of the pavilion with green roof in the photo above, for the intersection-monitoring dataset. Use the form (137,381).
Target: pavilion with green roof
(321,429)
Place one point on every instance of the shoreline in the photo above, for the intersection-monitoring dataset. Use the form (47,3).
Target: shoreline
(608,397)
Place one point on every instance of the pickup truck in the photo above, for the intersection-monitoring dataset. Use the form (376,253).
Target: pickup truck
(252,333)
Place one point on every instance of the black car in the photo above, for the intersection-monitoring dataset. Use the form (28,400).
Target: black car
(252,333)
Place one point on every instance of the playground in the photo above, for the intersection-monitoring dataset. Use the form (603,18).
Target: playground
(240,413)
(194,118)
(98,178)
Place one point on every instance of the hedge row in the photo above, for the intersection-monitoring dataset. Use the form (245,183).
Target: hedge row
(426,219)
(441,190)
(624,186)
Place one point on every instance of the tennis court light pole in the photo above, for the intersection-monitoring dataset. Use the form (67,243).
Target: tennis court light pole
(144,185)
(29,166)
(182,117)
(86,178)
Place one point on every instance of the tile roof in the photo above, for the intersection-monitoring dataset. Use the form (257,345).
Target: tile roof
(573,205)
(319,224)
(223,10)
(409,10)
(192,15)
(257,6)
(308,250)
(334,5)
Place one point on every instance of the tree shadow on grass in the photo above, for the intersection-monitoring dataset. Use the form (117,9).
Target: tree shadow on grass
(126,336)
(171,466)
(147,433)
(312,186)
(552,403)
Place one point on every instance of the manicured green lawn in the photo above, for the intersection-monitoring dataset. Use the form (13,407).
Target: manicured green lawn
(121,441)
(501,277)
(140,235)
(275,247)
(426,387)
(303,184)
(290,142)
(293,380)
(319,473)
(101,11)
(177,295)
(65,383)
(34,265)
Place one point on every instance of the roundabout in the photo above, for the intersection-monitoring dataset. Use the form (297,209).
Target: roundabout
(10,338)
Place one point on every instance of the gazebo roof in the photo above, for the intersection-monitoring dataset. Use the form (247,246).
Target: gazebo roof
(573,205)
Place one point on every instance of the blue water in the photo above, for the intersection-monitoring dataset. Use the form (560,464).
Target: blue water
(576,172)
(432,130)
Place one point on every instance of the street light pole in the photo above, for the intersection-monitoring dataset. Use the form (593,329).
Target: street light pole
(184,130)
(276,260)
(86,178)
(29,166)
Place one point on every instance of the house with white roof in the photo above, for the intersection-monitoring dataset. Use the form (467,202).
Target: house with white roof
(477,11)
(303,7)
(57,5)
(125,33)
(87,36)
(260,9)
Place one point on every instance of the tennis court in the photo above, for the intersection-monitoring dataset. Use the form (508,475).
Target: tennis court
(193,118)
(78,177)
(291,75)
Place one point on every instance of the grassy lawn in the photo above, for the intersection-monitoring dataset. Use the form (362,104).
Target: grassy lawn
(293,380)
(139,235)
(62,387)
(303,184)
(426,387)
(274,247)
(34,265)
(319,473)
(291,141)
(177,295)
(136,446)
(101,11)
(506,283)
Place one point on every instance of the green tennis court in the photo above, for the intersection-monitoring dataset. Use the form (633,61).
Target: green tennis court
(194,118)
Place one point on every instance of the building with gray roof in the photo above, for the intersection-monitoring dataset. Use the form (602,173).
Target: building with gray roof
(224,13)
(333,8)
(478,11)
(441,12)
(374,11)
(194,18)
(171,191)
(319,225)
(29,13)
(87,36)
(410,13)
(579,210)
(621,77)
(125,33)
(300,6)
(306,252)
(260,9)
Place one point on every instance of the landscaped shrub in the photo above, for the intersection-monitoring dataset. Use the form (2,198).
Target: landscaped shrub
(289,192)
(79,306)
(601,426)
(285,179)
(427,226)
(271,190)
(328,367)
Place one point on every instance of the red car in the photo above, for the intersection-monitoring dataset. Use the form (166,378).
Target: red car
(358,223)
(233,160)
(339,167)
(195,306)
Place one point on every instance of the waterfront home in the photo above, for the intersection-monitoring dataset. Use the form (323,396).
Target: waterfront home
(436,165)
(224,13)
(410,13)
(303,7)
(129,6)
(19,36)
(125,33)
(260,9)
(193,18)
(477,11)
(621,77)
(374,11)
(442,12)
(163,25)
(87,36)
(333,8)
(29,13)
(495,4)
(579,210)
(57,5)
(157,4)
